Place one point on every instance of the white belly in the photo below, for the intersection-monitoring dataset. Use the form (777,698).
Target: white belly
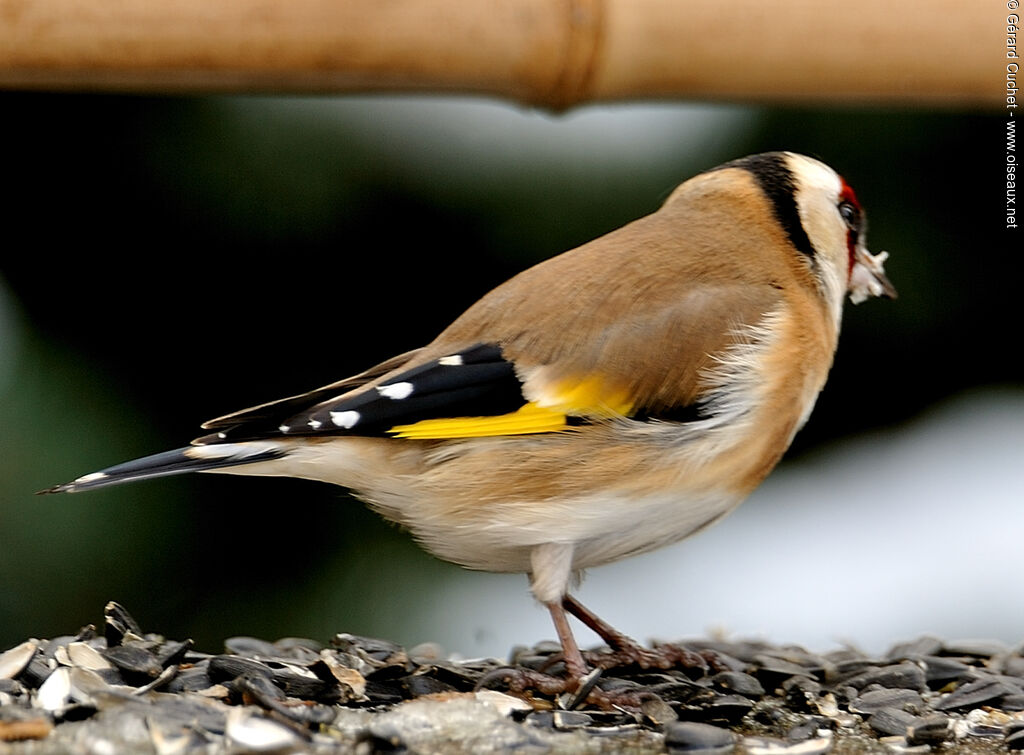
(602,529)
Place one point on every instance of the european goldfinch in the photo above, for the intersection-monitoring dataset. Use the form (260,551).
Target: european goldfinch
(606,402)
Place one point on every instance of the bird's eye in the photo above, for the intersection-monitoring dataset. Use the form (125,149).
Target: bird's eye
(851,214)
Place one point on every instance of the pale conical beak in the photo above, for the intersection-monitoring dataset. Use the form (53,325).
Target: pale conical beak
(868,276)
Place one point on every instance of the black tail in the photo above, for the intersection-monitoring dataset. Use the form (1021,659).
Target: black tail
(179,461)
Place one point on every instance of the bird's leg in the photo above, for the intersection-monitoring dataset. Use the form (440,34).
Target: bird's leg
(625,650)
(522,680)
(551,567)
(581,681)
(616,640)
(575,666)
(549,577)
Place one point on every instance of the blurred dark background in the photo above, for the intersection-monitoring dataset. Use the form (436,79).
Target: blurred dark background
(168,260)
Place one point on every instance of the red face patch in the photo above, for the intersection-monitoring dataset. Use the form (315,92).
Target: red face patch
(847,194)
(851,211)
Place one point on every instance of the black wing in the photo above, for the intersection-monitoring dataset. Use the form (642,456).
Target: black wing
(477,381)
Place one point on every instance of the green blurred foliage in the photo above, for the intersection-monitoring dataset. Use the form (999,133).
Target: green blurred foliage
(169,260)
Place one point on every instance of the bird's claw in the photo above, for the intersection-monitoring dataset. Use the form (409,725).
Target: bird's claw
(663,656)
(570,693)
(519,680)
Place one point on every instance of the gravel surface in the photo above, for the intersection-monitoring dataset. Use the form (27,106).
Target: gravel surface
(118,689)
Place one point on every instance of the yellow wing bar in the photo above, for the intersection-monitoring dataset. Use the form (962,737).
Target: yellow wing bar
(589,397)
(529,418)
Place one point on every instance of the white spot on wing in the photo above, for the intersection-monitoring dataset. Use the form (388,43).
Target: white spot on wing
(346,420)
(315,424)
(454,360)
(396,391)
(222,435)
(283,428)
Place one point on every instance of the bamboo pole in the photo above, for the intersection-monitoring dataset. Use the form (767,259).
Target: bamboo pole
(553,53)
